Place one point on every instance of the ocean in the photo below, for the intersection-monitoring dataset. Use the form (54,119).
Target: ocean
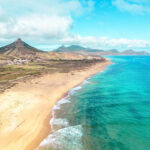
(109,111)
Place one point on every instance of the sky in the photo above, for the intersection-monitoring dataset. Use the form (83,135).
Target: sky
(100,24)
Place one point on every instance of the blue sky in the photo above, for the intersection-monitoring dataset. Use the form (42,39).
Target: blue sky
(109,20)
(102,24)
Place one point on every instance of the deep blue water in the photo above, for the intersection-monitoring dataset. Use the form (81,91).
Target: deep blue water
(111,111)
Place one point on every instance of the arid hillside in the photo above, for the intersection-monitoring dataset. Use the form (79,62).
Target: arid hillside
(20,60)
(20,52)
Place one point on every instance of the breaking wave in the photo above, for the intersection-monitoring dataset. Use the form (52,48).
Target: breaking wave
(63,136)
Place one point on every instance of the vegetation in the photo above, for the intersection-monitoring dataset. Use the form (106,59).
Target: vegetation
(10,73)
(19,60)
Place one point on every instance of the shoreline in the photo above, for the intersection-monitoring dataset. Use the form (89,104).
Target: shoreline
(63,97)
(41,110)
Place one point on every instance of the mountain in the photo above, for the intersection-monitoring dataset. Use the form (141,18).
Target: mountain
(20,49)
(95,52)
(76,49)
(132,52)
(113,51)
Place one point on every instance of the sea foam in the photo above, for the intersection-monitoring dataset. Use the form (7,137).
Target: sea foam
(57,123)
(63,139)
(63,136)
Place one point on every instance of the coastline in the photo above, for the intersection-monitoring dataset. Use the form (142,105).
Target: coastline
(31,116)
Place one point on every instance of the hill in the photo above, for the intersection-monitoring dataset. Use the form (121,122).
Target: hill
(20,52)
(76,49)
(89,51)
(20,49)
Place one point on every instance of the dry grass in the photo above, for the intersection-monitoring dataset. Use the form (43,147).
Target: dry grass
(10,73)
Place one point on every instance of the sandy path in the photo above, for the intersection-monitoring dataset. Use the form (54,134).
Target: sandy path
(25,109)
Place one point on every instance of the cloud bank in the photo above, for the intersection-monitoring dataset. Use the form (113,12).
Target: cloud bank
(48,22)
(106,43)
(133,6)
(44,18)
(36,25)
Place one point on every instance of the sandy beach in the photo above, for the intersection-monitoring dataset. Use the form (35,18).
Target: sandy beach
(25,109)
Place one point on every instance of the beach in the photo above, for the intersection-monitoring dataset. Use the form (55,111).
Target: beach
(25,109)
(108,111)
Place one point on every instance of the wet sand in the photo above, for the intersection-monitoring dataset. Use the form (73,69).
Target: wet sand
(25,109)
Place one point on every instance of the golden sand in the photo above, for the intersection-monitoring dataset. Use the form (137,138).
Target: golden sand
(25,109)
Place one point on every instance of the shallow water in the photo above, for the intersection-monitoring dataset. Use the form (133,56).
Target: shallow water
(110,111)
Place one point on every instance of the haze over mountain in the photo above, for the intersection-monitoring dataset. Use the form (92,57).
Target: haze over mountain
(83,50)
(76,48)
(20,49)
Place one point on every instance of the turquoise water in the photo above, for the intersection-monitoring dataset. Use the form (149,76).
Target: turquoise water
(110,111)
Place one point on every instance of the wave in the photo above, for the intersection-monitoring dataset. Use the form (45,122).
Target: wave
(63,139)
(63,136)
(75,89)
(58,123)
(72,91)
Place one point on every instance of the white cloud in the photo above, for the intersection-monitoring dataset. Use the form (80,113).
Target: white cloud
(133,6)
(24,7)
(49,21)
(43,18)
(89,4)
(139,1)
(106,43)
(36,25)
